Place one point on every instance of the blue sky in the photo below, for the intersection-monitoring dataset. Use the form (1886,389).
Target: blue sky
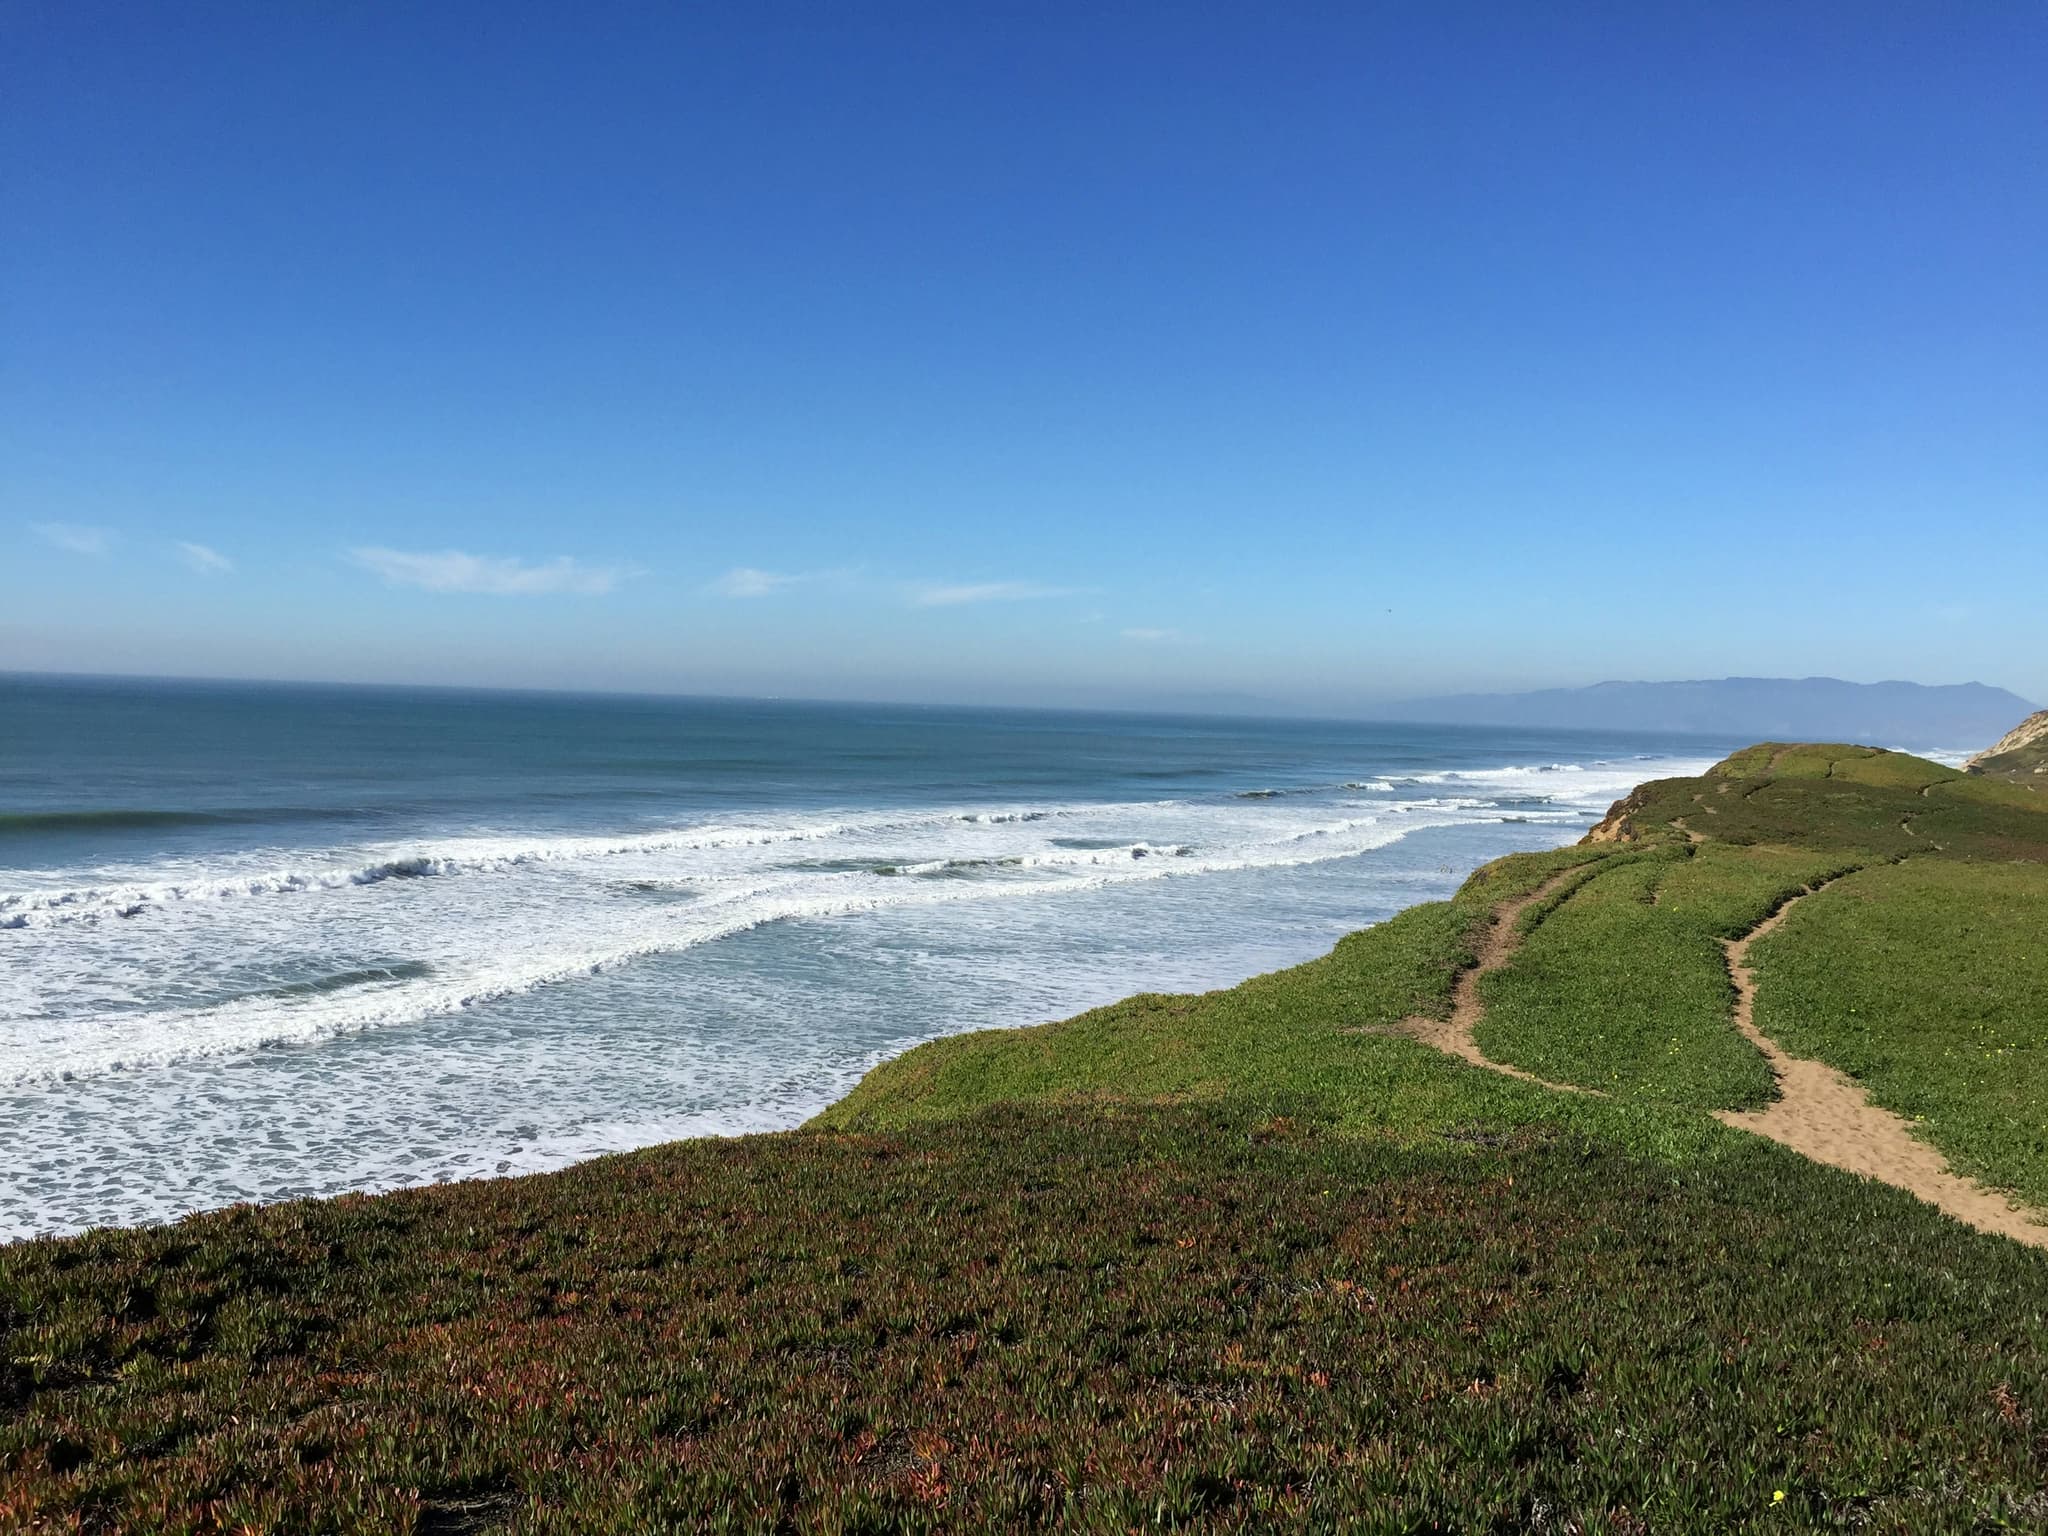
(1112,353)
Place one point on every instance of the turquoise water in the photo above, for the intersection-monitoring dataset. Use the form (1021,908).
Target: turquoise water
(260,941)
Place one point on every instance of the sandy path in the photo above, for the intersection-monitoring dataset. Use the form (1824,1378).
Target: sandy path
(1820,1113)
(1455,1036)
(1823,1114)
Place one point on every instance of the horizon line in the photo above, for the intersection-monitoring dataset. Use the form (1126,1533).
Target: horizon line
(1277,712)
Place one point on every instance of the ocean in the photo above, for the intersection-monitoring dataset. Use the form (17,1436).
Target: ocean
(265,941)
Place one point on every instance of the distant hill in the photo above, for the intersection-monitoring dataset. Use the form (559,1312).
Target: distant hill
(1753,708)
(2020,751)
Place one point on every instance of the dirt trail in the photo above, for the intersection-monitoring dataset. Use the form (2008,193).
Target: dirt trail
(1455,1036)
(1820,1113)
(1823,1114)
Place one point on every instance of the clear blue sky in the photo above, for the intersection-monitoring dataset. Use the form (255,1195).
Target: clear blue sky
(1025,352)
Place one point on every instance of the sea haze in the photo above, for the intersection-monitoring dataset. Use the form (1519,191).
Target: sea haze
(259,941)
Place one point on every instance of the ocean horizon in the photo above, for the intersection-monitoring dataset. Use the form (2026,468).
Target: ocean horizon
(266,941)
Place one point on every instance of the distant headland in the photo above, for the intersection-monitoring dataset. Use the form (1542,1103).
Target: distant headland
(1775,708)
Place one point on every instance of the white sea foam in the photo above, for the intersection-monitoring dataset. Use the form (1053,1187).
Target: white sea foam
(409,990)
(174,983)
(129,893)
(468,856)
(157,1037)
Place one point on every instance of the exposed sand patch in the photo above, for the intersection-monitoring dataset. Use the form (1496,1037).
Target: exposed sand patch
(1823,1114)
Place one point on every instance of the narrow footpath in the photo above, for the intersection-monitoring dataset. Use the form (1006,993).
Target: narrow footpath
(1823,1114)
(1819,1113)
(1456,1036)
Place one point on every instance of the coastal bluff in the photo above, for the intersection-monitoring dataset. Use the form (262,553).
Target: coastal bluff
(2023,750)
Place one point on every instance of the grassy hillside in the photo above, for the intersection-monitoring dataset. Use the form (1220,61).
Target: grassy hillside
(1248,1260)
(1621,985)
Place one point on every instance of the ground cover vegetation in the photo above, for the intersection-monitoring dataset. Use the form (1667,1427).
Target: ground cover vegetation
(1254,1259)
(1624,988)
(1132,1318)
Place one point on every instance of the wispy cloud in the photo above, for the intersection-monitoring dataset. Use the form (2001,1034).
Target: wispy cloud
(750,581)
(450,570)
(206,561)
(1152,636)
(951,596)
(746,581)
(78,540)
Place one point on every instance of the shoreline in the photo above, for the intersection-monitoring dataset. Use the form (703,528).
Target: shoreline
(848,1082)
(714,1122)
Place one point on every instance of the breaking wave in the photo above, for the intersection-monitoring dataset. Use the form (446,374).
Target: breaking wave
(94,903)
(382,997)
(571,906)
